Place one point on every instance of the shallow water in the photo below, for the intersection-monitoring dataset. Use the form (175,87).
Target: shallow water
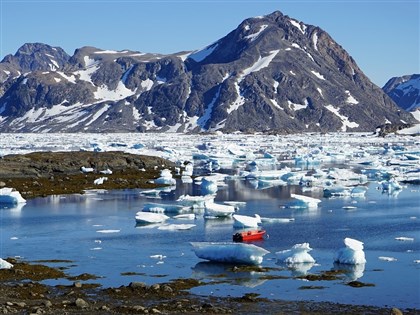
(97,233)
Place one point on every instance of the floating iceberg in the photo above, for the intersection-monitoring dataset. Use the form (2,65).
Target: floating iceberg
(194,201)
(165,178)
(308,202)
(297,254)
(352,254)
(10,196)
(5,265)
(244,221)
(212,209)
(391,185)
(230,252)
(150,217)
(163,207)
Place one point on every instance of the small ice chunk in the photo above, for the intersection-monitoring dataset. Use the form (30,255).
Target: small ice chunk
(108,231)
(385,258)
(297,254)
(159,256)
(404,239)
(100,181)
(10,196)
(5,264)
(86,169)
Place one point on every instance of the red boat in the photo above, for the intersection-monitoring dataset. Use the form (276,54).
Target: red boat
(248,235)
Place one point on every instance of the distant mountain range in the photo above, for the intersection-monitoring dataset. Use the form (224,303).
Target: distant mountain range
(271,74)
(405,91)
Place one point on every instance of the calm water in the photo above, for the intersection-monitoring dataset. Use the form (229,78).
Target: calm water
(97,232)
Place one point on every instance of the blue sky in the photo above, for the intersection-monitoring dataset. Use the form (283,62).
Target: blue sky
(382,36)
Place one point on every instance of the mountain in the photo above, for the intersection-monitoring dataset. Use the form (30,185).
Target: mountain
(405,91)
(271,74)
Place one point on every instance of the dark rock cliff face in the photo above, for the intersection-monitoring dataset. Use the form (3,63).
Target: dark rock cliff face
(405,91)
(270,74)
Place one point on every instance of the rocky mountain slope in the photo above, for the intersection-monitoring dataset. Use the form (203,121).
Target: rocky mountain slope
(271,74)
(405,91)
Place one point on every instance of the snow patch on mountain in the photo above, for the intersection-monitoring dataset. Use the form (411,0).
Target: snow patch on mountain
(344,119)
(350,98)
(300,26)
(254,36)
(202,54)
(318,75)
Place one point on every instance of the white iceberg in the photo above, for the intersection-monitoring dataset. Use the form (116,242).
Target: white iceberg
(195,202)
(150,217)
(10,196)
(244,221)
(296,255)
(352,254)
(309,202)
(230,252)
(5,264)
(165,178)
(212,209)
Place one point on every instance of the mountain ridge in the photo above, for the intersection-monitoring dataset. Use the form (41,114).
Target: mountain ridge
(270,74)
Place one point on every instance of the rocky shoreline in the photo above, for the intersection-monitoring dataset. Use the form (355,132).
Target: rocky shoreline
(22,292)
(41,174)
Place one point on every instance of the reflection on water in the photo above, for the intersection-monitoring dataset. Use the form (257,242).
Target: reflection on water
(297,269)
(351,272)
(211,271)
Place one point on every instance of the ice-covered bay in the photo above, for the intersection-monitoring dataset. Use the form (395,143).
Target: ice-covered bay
(97,231)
